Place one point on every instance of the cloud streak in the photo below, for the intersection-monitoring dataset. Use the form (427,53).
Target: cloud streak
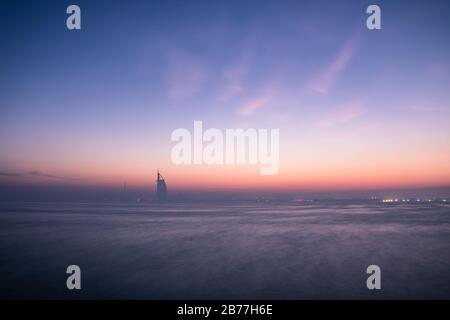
(10,174)
(325,80)
(251,106)
(186,75)
(36,174)
(234,78)
(343,114)
(427,108)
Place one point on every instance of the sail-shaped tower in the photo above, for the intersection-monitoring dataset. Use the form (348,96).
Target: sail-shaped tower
(161,188)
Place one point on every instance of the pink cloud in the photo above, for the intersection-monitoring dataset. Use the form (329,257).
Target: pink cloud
(231,90)
(427,108)
(324,81)
(186,76)
(343,114)
(233,78)
(251,106)
(439,70)
(235,73)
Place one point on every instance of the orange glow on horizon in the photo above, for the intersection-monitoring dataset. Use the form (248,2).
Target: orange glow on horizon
(201,177)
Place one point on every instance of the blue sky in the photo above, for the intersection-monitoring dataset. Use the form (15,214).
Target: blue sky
(100,103)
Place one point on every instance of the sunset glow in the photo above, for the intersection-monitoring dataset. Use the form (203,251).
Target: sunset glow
(355,108)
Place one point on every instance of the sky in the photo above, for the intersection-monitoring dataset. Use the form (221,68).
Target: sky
(355,108)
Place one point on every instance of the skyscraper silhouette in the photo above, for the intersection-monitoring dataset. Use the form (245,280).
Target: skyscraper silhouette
(161,188)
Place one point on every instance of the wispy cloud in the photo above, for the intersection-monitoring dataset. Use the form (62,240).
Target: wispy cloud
(186,74)
(234,75)
(343,114)
(427,108)
(251,106)
(325,80)
(231,90)
(36,174)
(439,70)
(47,175)
(10,174)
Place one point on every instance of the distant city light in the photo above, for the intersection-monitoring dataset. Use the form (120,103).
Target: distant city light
(389,200)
